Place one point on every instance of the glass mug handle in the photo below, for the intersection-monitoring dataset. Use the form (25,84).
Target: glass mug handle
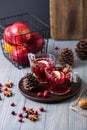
(74,77)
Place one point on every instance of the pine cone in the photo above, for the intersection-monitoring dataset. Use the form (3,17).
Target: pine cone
(66,57)
(81,49)
(30,82)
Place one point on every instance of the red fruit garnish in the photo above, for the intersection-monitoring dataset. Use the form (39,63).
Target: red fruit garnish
(41,109)
(36,112)
(20,115)
(20,119)
(0,85)
(5,89)
(56,48)
(12,104)
(46,92)
(24,108)
(39,94)
(13,113)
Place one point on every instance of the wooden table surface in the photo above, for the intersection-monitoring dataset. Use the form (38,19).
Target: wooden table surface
(57,116)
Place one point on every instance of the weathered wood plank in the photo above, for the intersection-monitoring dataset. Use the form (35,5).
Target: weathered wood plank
(66,19)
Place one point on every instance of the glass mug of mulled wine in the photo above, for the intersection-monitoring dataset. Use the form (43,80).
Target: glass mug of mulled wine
(59,80)
(38,64)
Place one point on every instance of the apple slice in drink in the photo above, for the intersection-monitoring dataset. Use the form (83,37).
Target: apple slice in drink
(59,75)
(56,74)
(44,62)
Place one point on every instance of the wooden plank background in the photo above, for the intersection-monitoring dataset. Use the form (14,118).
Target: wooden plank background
(68,19)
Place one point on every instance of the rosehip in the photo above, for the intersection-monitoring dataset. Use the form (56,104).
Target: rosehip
(12,104)
(20,119)
(56,47)
(5,89)
(0,85)
(20,115)
(36,112)
(13,113)
(26,116)
(46,92)
(24,108)
(39,94)
(41,109)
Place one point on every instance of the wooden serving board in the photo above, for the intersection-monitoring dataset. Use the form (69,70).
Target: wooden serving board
(52,98)
(68,19)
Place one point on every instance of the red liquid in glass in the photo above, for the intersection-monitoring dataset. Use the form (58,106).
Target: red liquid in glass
(58,82)
(39,68)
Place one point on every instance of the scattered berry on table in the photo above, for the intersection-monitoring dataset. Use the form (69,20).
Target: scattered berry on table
(20,119)
(12,104)
(20,115)
(41,109)
(5,89)
(1,85)
(36,112)
(56,48)
(13,113)
(39,94)
(24,108)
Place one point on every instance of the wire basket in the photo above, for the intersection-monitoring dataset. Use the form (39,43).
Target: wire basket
(35,25)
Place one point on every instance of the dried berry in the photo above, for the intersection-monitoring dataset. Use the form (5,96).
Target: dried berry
(20,119)
(12,104)
(24,108)
(1,85)
(0,89)
(35,112)
(41,109)
(39,94)
(56,48)
(20,115)
(46,92)
(5,89)
(13,113)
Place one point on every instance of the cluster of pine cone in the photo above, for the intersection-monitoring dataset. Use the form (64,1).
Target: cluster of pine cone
(81,49)
(30,82)
(66,57)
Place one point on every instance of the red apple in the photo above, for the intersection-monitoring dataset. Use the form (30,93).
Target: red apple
(20,55)
(20,33)
(7,35)
(36,42)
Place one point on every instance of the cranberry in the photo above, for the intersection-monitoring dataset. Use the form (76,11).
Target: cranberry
(46,92)
(24,108)
(0,85)
(56,47)
(26,116)
(13,113)
(5,89)
(41,109)
(39,94)
(12,104)
(20,119)
(36,112)
(20,115)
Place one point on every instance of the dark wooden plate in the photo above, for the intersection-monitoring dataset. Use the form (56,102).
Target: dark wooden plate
(51,97)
